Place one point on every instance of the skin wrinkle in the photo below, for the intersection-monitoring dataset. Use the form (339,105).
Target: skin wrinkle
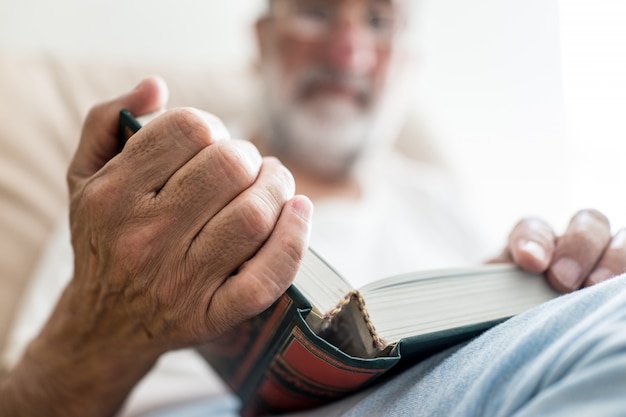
(216,317)
(242,176)
(225,162)
(187,130)
(266,202)
(256,228)
(162,302)
(189,124)
(136,239)
(171,300)
(267,276)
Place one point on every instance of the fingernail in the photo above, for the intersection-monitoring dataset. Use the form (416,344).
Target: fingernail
(567,272)
(599,275)
(303,207)
(535,250)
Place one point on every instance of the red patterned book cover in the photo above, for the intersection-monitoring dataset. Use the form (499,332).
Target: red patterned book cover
(240,356)
(307,371)
(276,363)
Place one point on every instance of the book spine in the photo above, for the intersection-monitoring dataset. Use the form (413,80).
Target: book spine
(306,372)
(416,348)
(241,355)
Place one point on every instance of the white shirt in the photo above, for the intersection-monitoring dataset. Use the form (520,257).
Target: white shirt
(408,218)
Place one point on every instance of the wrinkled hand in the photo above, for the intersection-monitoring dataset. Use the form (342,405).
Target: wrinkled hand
(160,232)
(584,255)
(178,238)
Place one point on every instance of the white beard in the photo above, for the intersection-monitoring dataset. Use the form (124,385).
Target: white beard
(324,135)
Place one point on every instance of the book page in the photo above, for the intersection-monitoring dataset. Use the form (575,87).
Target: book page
(427,302)
(320,283)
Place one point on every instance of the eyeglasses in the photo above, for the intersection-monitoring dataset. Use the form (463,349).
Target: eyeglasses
(314,20)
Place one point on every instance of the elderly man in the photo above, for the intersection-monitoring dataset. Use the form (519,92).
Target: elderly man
(185,234)
(328,70)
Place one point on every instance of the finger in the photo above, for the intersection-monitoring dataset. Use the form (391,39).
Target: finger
(579,250)
(207,183)
(98,142)
(532,244)
(240,229)
(613,261)
(165,145)
(269,273)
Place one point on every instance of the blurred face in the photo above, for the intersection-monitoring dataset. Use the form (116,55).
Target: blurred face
(325,65)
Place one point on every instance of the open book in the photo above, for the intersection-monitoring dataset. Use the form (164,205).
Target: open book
(323,340)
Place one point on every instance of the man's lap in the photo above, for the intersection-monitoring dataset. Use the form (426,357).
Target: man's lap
(556,359)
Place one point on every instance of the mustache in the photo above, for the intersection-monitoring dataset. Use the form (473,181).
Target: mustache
(360,86)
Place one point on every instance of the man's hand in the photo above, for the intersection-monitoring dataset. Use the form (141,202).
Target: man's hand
(584,255)
(178,238)
(168,223)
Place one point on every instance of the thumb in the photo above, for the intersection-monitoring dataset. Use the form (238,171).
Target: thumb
(98,142)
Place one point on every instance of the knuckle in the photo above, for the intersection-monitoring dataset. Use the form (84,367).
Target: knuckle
(533,228)
(122,221)
(583,241)
(261,293)
(586,216)
(141,246)
(189,124)
(234,164)
(285,177)
(280,179)
(589,232)
(135,248)
(259,218)
(292,250)
(99,193)
(106,192)
(217,322)
(269,283)
(224,313)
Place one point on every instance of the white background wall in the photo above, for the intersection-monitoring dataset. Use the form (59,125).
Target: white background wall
(594,75)
(526,97)
(195,31)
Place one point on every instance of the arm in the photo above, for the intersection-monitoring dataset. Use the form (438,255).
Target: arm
(584,255)
(178,238)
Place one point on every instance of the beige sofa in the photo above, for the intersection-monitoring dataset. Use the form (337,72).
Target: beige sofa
(43,100)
